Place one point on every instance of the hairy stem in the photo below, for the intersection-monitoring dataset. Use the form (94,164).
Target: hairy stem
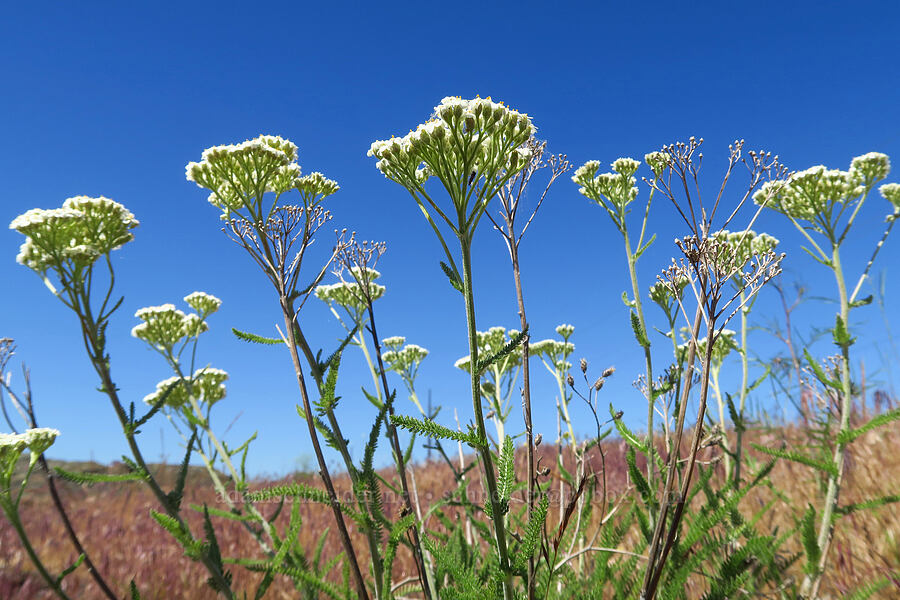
(485,451)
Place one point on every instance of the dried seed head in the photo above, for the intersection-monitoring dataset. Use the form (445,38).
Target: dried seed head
(544,471)
(583,366)
(538,439)
(618,415)
(598,385)
(608,372)
(570,380)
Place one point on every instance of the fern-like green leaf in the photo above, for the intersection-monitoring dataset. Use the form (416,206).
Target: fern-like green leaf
(845,437)
(532,536)
(825,467)
(453,276)
(429,428)
(514,343)
(255,339)
(89,479)
(810,540)
(639,334)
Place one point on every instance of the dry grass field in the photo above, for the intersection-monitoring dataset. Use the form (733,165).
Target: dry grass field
(126,543)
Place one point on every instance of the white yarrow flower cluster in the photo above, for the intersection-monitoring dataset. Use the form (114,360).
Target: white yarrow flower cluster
(891,193)
(238,175)
(613,191)
(12,445)
(812,194)
(349,294)
(486,136)
(205,304)
(74,236)
(207,386)
(164,326)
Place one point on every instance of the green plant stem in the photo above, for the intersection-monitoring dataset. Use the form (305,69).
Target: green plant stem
(526,402)
(70,530)
(425,573)
(96,350)
(13,516)
(811,583)
(648,361)
(654,561)
(745,378)
(487,462)
(290,330)
(717,391)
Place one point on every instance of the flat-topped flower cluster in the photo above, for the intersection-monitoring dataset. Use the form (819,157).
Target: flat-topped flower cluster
(350,295)
(207,386)
(71,238)
(164,326)
(819,194)
(467,143)
(12,445)
(239,175)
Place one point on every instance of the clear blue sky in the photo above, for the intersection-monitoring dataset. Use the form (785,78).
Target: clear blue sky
(114,99)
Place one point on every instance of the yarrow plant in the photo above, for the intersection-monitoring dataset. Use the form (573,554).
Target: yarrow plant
(473,147)
(826,202)
(678,529)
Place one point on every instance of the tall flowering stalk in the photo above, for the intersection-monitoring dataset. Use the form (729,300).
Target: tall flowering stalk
(614,192)
(511,196)
(825,202)
(473,147)
(708,264)
(247,182)
(69,243)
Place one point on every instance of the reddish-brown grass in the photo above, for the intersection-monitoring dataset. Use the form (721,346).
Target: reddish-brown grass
(126,543)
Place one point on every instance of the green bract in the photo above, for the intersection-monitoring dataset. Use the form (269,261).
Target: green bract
(71,238)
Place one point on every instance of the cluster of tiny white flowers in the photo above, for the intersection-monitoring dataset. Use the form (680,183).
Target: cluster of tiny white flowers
(625,166)
(164,326)
(316,184)
(348,294)
(891,193)
(810,194)
(237,174)
(393,342)
(551,349)
(78,233)
(486,136)
(743,245)
(661,291)
(871,167)
(207,386)
(613,191)
(205,304)
(12,445)
(657,161)
(565,330)
(404,360)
